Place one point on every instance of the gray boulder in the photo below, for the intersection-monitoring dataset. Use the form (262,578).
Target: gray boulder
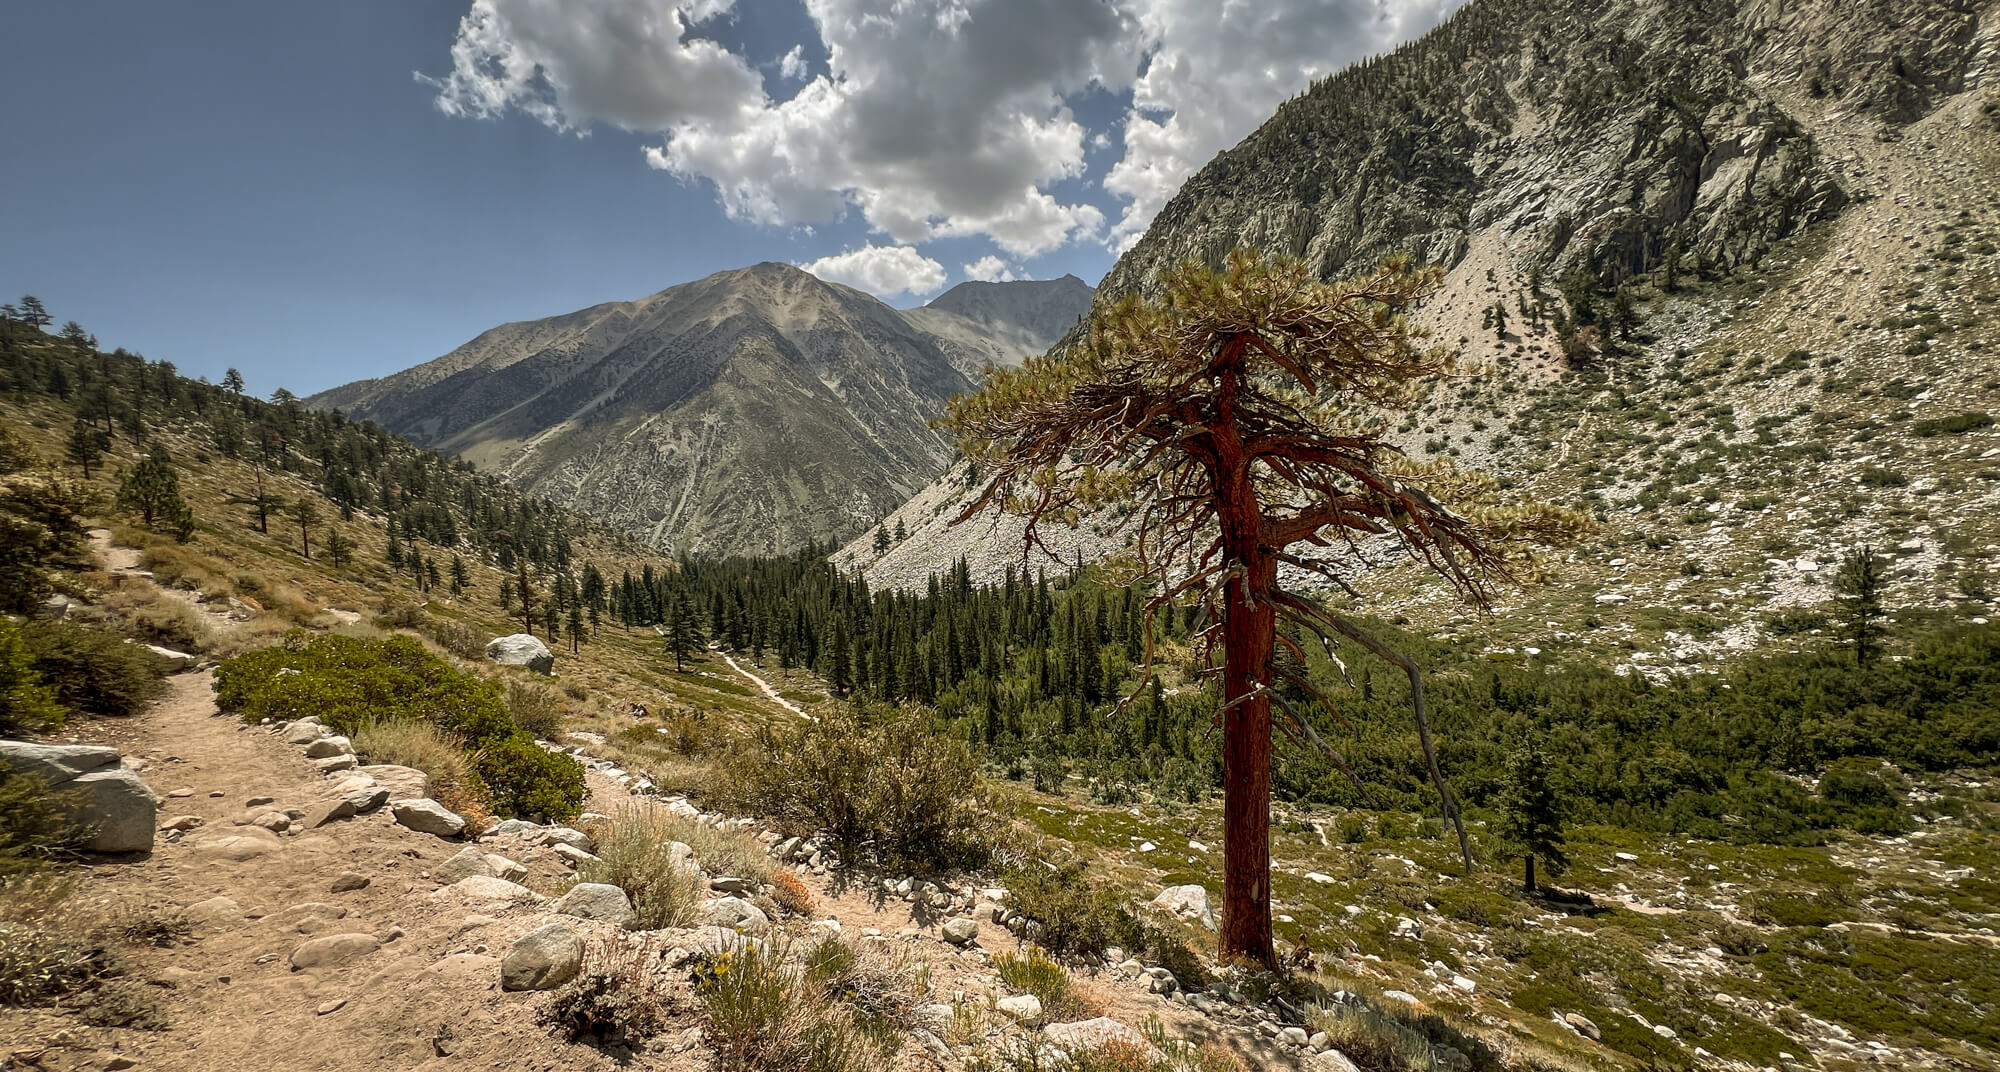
(1188,902)
(960,931)
(329,747)
(176,661)
(427,817)
(403,783)
(734,913)
(542,959)
(302,732)
(119,809)
(521,649)
(599,901)
(468,863)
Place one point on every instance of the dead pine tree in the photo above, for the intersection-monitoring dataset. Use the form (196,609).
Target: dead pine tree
(1240,415)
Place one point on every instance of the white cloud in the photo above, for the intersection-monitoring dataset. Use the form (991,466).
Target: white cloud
(584,61)
(881,270)
(793,66)
(1218,71)
(990,269)
(937,118)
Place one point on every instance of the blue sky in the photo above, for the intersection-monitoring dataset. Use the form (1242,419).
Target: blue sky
(273,186)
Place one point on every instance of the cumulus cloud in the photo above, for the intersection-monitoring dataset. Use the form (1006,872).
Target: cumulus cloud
(883,271)
(937,118)
(1217,71)
(990,269)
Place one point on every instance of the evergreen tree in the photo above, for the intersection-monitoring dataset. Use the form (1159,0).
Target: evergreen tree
(683,630)
(524,591)
(338,547)
(32,312)
(839,671)
(1859,587)
(232,381)
(306,512)
(461,579)
(575,628)
(1530,821)
(153,488)
(881,539)
(85,445)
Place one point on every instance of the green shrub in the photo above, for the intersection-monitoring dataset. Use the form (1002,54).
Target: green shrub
(1075,917)
(1954,424)
(352,683)
(880,783)
(526,779)
(93,671)
(27,703)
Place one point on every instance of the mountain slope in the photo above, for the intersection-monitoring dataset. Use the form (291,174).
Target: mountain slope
(754,410)
(1798,205)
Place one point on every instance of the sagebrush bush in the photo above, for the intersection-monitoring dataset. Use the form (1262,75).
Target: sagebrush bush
(765,1014)
(93,671)
(155,617)
(879,783)
(635,853)
(351,683)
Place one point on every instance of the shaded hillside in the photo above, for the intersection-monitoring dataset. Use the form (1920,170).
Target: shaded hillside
(754,410)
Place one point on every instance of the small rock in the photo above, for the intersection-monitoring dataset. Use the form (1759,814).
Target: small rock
(329,1006)
(734,913)
(1027,1008)
(1583,1026)
(333,949)
(732,885)
(304,731)
(466,864)
(1295,1035)
(181,793)
(1098,1033)
(961,931)
(328,747)
(255,802)
(335,764)
(427,817)
(505,868)
(574,856)
(349,880)
(482,889)
(599,901)
(181,824)
(542,959)
(1331,1061)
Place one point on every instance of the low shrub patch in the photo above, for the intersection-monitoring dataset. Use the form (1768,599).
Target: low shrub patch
(27,703)
(93,671)
(352,683)
(635,852)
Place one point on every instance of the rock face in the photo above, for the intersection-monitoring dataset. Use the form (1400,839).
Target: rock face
(521,649)
(119,809)
(750,411)
(542,959)
(1187,902)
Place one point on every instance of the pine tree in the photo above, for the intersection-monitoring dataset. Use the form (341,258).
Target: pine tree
(338,547)
(575,628)
(1859,584)
(85,445)
(306,512)
(232,381)
(524,591)
(1239,411)
(1530,821)
(683,630)
(839,662)
(33,313)
(153,488)
(460,578)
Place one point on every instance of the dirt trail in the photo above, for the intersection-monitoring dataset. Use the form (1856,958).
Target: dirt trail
(766,686)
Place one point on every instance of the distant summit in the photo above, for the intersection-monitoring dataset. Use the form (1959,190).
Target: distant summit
(751,411)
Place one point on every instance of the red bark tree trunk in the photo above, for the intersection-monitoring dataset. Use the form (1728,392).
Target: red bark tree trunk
(1249,628)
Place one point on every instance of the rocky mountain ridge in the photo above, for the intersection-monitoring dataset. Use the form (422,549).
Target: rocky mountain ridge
(751,411)
(1796,205)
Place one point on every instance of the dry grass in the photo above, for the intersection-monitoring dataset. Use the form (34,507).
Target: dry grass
(536,708)
(790,893)
(58,946)
(634,853)
(453,771)
(621,997)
